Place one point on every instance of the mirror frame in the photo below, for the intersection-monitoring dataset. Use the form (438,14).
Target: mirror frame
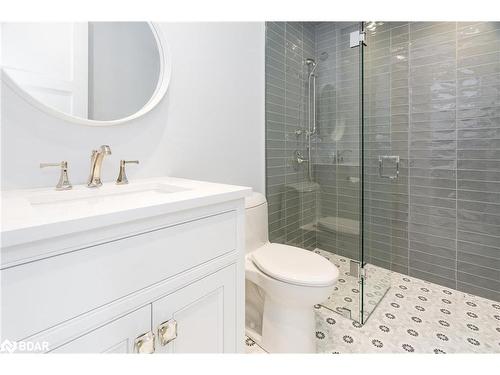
(158,94)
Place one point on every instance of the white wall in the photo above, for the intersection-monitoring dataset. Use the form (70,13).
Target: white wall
(209,126)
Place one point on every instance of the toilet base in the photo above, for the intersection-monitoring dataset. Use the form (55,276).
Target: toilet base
(288,329)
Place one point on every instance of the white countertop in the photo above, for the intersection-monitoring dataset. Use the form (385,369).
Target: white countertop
(36,214)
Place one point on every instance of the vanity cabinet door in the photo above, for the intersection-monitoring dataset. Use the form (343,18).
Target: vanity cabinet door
(199,318)
(128,334)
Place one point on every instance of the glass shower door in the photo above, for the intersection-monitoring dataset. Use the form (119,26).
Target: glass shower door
(327,115)
(336,161)
(381,163)
(355,163)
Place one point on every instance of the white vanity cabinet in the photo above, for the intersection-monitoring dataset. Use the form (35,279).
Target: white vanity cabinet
(171,282)
(199,318)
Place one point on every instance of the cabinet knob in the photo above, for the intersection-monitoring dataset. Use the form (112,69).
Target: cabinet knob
(167,332)
(145,343)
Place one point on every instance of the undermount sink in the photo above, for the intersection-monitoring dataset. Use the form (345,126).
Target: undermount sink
(107,192)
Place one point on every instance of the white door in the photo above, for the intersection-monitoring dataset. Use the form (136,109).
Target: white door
(49,61)
(123,335)
(200,318)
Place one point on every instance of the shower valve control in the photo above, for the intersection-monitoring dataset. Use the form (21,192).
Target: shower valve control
(299,158)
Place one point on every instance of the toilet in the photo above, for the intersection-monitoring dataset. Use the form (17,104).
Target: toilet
(283,283)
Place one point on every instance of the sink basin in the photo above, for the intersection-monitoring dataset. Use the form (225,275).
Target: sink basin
(106,193)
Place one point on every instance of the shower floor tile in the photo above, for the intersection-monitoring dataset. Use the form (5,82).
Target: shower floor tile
(347,297)
(415,316)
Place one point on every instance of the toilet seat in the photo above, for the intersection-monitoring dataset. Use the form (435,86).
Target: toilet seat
(295,266)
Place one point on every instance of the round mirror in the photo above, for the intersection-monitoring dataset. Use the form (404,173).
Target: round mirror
(93,73)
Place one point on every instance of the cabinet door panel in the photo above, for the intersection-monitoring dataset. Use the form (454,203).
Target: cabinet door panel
(204,313)
(117,336)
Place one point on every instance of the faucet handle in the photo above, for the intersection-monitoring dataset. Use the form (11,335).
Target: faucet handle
(63,183)
(122,176)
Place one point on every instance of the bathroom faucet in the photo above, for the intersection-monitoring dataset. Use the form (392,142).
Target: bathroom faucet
(95,166)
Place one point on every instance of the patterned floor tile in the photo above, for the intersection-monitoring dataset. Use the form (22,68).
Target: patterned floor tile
(421,317)
(414,316)
(347,294)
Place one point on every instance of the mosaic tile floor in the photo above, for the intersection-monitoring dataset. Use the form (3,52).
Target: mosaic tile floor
(346,297)
(415,316)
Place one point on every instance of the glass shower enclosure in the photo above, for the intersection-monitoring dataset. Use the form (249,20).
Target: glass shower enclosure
(330,169)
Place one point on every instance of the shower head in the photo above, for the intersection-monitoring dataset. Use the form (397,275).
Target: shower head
(310,62)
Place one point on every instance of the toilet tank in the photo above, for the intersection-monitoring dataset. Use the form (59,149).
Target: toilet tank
(256,231)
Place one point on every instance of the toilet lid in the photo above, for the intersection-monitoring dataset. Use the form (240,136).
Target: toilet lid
(295,266)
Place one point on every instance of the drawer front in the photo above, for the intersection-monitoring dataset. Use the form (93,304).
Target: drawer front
(42,294)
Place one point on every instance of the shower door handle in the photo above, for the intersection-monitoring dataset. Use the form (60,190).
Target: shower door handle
(381,160)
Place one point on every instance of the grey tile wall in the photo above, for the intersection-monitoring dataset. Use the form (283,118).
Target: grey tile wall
(338,131)
(292,201)
(432,96)
(432,189)
(478,158)
(432,151)
(386,103)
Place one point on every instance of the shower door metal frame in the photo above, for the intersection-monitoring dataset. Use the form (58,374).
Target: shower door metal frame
(361,192)
(357,40)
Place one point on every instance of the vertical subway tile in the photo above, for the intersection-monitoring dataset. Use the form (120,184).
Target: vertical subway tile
(432,96)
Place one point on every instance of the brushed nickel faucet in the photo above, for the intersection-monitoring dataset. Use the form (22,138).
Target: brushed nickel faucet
(96,159)
(63,183)
(122,176)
